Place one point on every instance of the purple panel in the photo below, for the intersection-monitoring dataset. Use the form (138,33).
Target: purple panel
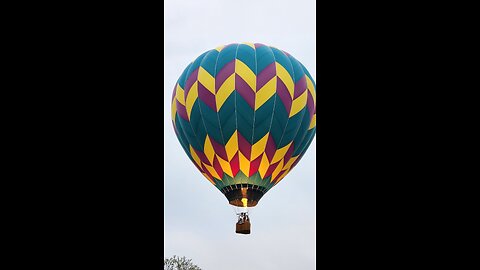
(278,176)
(266,75)
(310,105)
(190,81)
(258,45)
(202,156)
(182,111)
(284,95)
(244,146)
(289,153)
(270,148)
(219,149)
(224,73)
(245,91)
(207,172)
(296,162)
(300,87)
(217,167)
(206,96)
(271,169)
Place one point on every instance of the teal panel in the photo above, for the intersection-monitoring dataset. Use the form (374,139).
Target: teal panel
(264,58)
(210,118)
(209,61)
(263,119)
(226,55)
(246,54)
(283,60)
(188,132)
(227,117)
(183,78)
(196,121)
(302,132)
(297,69)
(244,119)
(292,128)
(280,118)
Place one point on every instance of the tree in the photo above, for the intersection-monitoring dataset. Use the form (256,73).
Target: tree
(179,263)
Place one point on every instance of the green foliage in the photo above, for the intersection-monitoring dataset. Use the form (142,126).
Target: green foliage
(179,263)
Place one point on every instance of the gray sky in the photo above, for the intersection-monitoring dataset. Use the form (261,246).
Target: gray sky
(199,222)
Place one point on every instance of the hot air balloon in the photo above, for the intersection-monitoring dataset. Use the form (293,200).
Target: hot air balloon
(244,114)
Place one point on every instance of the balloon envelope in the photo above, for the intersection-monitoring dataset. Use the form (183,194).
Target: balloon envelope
(245,114)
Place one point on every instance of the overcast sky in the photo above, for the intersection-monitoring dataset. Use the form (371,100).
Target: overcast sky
(199,222)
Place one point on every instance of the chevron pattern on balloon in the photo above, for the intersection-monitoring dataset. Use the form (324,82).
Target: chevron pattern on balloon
(245,113)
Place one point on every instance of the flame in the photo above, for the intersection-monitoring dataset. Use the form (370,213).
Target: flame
(244,201)
(244,195)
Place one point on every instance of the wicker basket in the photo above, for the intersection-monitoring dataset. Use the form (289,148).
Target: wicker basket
(243,228)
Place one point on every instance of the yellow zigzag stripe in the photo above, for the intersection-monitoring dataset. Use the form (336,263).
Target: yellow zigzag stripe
(244,163)
(246,73)
(287,168)
(208,149)
(206,80)
(277,170)
(180,95)
(195,157)
(264,164)
(290,162)
(212,171)
(232,146)
(265,92)
(311,89)
(174,109)
(314,122)
(224,91)
(298,104)
(259,147)
(280,153)
(225,166)
(191,97)
(283,74)
(281,176)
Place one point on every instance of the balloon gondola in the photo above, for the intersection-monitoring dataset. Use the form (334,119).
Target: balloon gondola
(245,115)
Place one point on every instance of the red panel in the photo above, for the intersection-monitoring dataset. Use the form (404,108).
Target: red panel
(271,169)
(217,167)
(254,165)
(207,172)
(235,164)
